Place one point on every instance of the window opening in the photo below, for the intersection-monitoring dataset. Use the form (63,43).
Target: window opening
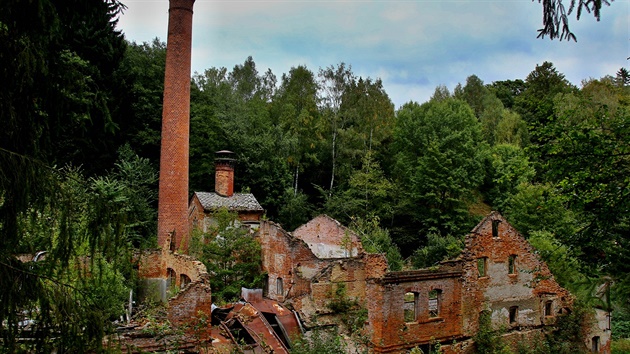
(513,314)
(434,302)
(549,308)
(183,280)
(481,266)
(495,228)
(512,264)
(171,277)
(172,246)
(267,285)
(410,306)
(279,287)
(595,344)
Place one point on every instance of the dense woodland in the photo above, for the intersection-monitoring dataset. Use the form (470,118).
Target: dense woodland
(79,156)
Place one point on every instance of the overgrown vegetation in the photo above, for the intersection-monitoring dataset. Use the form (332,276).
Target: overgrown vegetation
(488,339)
(567,336)
(320,341)
(351,313)
(231,254)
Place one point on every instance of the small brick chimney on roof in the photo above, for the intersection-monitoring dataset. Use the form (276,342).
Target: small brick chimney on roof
(224,173)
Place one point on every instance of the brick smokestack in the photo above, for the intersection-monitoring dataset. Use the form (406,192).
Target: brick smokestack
(224,173)
(173,187)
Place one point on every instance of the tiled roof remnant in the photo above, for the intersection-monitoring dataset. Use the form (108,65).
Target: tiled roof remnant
(237,202)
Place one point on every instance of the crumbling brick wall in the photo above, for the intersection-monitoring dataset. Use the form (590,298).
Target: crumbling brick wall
(156,264)
(163,272)
(307,281)
(327,238)
(389,297)
(193,302)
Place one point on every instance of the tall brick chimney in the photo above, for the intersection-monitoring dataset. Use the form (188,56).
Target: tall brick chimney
(224,173)
(173,187)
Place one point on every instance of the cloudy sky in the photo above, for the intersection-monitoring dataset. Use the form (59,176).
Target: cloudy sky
(412,45)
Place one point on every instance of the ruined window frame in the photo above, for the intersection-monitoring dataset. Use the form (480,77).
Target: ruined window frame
(280,287)
(495,228)
(513,315)
(512,264)
(413,309)
(548,308)
(184,280)
(171,277)
(482,267)
(595,344)
(435,294)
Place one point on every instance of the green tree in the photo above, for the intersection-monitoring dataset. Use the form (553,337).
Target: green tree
(211,102)
(535,103)
(511,129)
(441,93)
(231,110)
(376,239)
(586,161)
(539,207)
(368,194)
(563,264)
(437,249)
(474,93)
(507,91)
(59,104)
(490,116)
(509,168)
(439,164)
(623,77)
(295,109)
(232,255)
(142,75)
(334,83)
(295,210)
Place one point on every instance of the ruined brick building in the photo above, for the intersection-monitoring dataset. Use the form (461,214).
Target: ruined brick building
(498,272)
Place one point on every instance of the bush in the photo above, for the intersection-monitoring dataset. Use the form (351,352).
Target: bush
(620,328)
(488,340)
(319,341)
(620,346)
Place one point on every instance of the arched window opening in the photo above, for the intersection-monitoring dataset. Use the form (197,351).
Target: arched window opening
(183,280)
(171,277)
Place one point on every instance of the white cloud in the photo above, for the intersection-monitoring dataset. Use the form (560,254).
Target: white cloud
(413,46)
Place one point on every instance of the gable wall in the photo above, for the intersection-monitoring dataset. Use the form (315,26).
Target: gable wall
(327,238)
(531,285)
